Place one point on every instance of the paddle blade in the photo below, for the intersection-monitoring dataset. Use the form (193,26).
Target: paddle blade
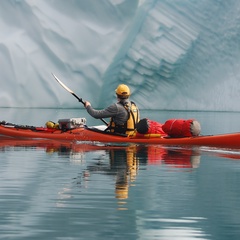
(68,89)
(62,84)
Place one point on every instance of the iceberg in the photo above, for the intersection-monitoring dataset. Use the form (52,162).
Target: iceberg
(174,55)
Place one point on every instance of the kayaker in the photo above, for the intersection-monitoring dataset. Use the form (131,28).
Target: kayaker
(124,114)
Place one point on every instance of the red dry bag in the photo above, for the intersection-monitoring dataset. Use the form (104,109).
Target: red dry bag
(181,127)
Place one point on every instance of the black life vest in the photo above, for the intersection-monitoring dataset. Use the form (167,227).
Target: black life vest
(130,125)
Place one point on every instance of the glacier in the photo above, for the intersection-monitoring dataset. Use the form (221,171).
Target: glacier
(174,55)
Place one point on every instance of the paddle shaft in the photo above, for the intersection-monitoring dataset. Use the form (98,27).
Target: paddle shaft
(79,99)
(70,91)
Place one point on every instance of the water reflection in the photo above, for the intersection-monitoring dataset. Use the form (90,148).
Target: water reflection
(123,161)
(81,187)
(176,230)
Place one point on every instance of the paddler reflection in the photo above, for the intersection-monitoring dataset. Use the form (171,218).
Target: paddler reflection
(125,163)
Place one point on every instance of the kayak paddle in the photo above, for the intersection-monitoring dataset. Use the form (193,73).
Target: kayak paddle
(69,90)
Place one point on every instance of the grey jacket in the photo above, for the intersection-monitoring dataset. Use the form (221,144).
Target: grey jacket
(116,111)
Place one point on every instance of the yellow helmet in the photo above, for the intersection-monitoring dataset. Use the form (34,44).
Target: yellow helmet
(123,91)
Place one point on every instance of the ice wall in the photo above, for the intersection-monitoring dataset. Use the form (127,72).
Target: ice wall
(173,54)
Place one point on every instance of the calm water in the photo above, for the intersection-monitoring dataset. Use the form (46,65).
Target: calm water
(68,191)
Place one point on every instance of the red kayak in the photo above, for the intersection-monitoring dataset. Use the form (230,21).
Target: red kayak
(94,134)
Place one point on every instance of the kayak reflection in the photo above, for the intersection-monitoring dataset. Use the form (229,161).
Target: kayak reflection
(121,161)
(148,154)
(119,155)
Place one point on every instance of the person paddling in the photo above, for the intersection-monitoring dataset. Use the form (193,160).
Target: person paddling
(124,114)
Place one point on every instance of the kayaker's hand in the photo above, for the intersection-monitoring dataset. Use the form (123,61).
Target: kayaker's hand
(87,104)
